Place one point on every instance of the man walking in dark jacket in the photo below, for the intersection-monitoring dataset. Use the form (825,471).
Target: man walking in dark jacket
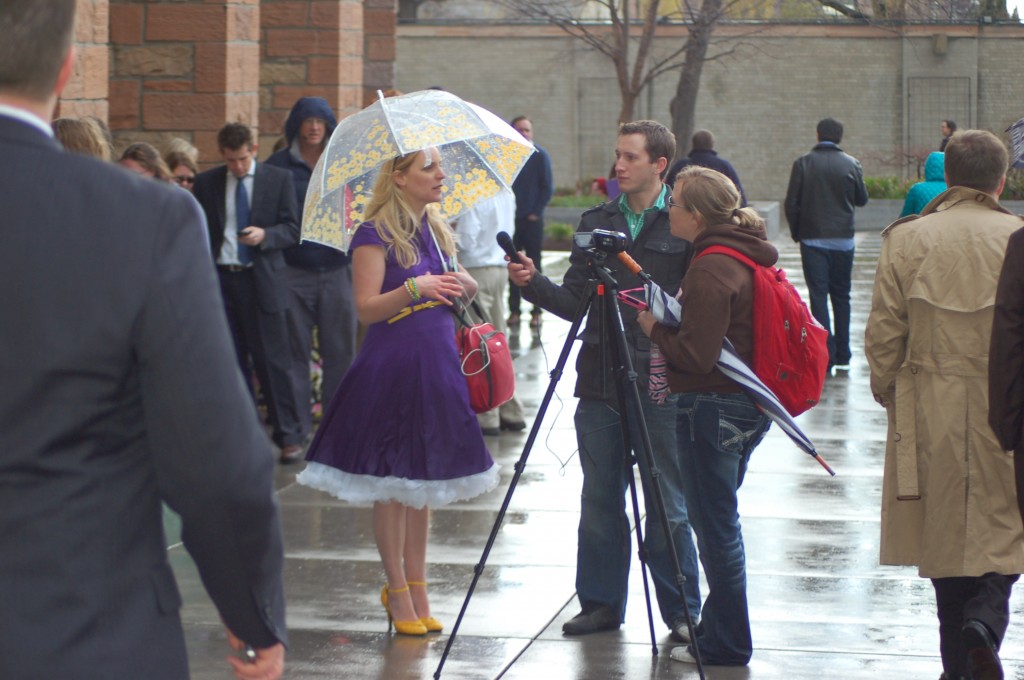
(533,187)
(602,567)
(319,278)
(702,153)
(824,187)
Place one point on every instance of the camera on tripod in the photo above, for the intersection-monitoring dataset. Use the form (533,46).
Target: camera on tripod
(601,240)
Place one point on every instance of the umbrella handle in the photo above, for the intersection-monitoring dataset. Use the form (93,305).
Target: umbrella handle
(823,464)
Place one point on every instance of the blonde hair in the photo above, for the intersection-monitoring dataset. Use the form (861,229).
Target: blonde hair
(396,223)
(148,157)
(83,136)
(713,197)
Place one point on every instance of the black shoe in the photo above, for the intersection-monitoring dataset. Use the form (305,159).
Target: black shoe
(512,426)
(680,632)
(593,620)
(982,653)
(490,431)
(292,453)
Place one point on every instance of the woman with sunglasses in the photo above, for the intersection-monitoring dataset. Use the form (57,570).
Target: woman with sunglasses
(183,169)
(718,426)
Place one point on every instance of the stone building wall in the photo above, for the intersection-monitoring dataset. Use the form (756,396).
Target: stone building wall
(762,101)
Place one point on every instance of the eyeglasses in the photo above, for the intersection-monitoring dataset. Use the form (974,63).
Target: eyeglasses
(672,204)
(179,179)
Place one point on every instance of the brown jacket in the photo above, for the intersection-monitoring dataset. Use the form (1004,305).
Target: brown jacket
(1006,353)
(948,500)
(717,299)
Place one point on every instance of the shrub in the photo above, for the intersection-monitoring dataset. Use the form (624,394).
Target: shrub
(887,187)
(558,231)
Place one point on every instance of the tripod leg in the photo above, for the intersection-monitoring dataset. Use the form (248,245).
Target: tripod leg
(629,396)
(556,374)
(641,551)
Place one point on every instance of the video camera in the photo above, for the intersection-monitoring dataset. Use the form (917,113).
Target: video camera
(601,240)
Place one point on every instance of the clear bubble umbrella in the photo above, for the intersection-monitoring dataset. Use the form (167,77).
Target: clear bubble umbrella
(481,155)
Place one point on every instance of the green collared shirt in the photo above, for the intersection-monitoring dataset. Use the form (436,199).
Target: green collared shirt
(636,220)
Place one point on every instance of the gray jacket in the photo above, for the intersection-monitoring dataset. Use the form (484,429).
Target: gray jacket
(663,256)
(824,187)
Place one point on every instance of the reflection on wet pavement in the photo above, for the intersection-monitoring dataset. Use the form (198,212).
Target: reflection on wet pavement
(821,606)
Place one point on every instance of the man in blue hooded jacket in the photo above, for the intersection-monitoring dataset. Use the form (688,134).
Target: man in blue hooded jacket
(319,279)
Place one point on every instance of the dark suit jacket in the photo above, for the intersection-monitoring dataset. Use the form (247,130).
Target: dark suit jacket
(273,208)
(120,389)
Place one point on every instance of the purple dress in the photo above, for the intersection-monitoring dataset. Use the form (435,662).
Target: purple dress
(400,427)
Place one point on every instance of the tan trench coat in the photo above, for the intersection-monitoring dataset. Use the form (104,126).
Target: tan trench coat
(948,498)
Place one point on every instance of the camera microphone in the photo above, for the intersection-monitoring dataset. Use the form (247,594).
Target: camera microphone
(505,241)
(633,266)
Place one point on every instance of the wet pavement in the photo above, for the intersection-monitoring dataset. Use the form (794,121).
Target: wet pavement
(820,605)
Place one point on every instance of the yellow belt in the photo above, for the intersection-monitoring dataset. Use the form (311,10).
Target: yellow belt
(406,311)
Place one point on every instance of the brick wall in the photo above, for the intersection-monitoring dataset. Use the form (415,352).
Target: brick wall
(762,100)
(182,69)
(86,92)
(310,48)
(379,47)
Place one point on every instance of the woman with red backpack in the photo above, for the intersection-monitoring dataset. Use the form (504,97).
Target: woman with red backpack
(718,425)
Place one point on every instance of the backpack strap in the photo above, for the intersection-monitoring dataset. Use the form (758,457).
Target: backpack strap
(731,252)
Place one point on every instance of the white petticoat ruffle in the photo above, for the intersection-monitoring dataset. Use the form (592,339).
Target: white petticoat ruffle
(416,493)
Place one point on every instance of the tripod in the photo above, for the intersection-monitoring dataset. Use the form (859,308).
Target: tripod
(604,286)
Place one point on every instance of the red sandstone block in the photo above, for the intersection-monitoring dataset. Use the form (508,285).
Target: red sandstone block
(272,122)
(174,111)
(242,73)
(244,108)
(211,60)
(95,61)
(126,24)
(285,96)
(301,43)
(346,15)
(379,21)
(151,85)
(186,22)
(284,15)
(380,48)
(335,71)
(209,154)
(76,108)
(92,19)
(124,104)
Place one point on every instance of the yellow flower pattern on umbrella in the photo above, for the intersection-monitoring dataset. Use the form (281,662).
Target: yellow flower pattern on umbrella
(480,153)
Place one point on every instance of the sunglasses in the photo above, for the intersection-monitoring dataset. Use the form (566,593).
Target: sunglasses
(184,180)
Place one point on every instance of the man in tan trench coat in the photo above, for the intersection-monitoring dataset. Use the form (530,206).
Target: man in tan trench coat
(948,502)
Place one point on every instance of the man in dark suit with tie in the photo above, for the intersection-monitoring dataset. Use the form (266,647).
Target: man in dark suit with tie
(119,392)
(252,217)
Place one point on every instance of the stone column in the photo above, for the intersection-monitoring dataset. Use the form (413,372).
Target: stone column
(380,22)
(311,48)
(183,68)
(86,92)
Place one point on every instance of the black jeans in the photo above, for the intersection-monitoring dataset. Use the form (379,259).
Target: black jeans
(959,598)
(828,276)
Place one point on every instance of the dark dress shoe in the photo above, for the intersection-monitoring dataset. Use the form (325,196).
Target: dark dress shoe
(982,653)
(592,620)
(291,453)
(512,426)
(490,431)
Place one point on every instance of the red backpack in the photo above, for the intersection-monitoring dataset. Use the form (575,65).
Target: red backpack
(790,346)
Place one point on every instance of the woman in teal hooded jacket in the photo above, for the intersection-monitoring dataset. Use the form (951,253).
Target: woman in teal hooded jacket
(922,193)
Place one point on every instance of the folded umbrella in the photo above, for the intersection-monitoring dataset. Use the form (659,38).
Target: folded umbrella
(667,310)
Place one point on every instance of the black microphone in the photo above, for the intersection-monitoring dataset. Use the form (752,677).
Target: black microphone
(505,241)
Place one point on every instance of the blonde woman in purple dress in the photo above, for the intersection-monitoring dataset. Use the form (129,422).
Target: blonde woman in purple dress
(399,432)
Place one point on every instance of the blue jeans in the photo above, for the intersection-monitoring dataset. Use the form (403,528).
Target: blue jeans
(603,554)
(716,434)
(828,275)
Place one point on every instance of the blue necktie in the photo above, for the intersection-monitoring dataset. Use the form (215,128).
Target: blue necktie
(242,220)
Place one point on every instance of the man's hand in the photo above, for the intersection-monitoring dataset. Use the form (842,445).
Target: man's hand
(268,663)
(252,236)
(521,274)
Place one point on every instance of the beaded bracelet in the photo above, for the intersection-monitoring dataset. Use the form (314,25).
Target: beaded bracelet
(411,288)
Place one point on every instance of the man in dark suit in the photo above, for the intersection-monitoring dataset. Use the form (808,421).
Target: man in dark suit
(252,217)
(119,392)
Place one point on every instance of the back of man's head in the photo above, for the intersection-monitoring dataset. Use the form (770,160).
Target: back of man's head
(36,37)
(976,159)
(235,136)
(830,130)
(703,140)
(659,140)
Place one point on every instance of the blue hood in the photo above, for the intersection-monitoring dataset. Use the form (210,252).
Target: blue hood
(934,167)
(309,107)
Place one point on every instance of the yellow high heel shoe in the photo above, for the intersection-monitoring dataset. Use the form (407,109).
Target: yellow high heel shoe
(414,627)
(429,622)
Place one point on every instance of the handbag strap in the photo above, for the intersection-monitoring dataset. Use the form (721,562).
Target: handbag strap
(459,311)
